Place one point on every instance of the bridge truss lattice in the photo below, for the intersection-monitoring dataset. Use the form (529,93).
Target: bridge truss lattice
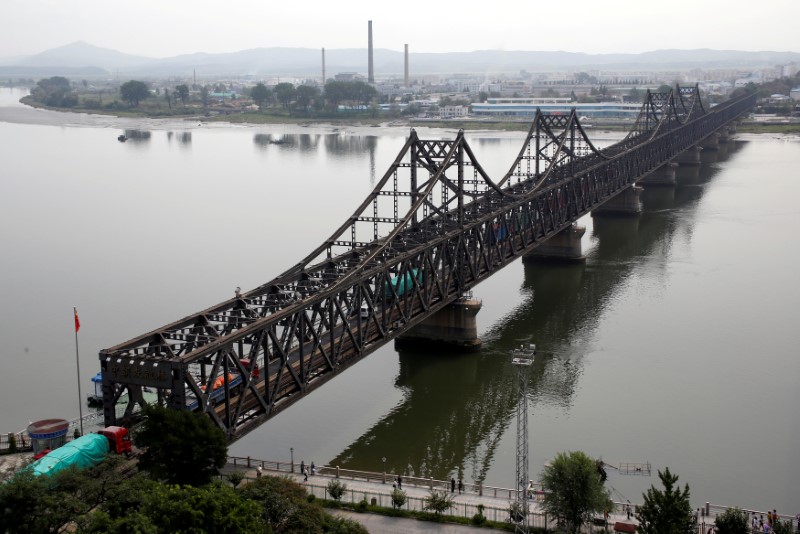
(433,227)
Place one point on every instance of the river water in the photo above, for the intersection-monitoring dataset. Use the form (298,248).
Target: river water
(675,344)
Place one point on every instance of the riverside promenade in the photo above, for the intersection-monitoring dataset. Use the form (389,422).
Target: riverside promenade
(369,486)
(366,485)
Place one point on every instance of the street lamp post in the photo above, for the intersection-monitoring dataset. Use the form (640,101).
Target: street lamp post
(384,469)
(291,453)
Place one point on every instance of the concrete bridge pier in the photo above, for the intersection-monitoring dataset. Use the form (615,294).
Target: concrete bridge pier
(690,156)
(711,142)
(688,175)
(454,327)
(564,247)
(662,176)
(624,204)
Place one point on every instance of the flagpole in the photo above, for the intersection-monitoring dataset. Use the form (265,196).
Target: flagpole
(78,364)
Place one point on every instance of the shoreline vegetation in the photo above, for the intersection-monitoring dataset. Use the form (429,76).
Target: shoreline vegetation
(369,119)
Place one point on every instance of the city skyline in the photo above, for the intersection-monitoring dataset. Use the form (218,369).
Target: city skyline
(157,29)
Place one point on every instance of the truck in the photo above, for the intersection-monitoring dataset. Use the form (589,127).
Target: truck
(235,381)
(401,284)
(85,451)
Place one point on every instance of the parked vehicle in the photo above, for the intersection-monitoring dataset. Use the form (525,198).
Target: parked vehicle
(403,283)
(85,451)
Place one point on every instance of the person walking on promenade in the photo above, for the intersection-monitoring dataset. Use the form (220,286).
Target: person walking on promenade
(460,486)
(305,474)
(302,466)
(452,485)
(399,482)
(313,469)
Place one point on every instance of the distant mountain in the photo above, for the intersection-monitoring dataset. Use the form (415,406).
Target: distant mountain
(81,58)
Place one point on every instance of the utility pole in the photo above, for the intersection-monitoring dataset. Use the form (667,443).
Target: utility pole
(523,359)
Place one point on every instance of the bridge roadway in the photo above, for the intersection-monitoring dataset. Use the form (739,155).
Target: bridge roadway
(435,226)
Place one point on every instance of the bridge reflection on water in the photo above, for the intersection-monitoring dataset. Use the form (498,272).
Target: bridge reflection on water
(456,409)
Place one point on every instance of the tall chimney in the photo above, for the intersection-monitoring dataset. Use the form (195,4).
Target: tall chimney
(406,69)
(324,79)
(371,75)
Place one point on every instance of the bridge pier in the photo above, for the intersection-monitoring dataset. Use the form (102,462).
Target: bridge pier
(711,142)
(662,176)
(690,156)
(625,204)
(564,247)
(453,327)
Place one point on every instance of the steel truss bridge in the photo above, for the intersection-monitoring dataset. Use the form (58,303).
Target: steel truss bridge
(433,227)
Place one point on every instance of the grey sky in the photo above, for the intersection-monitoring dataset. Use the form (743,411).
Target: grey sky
(162,28)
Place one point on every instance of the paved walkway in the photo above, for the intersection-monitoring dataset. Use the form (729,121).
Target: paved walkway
(466,504)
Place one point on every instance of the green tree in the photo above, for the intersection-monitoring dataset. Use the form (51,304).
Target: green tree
(305,96)
(336,489)
(285,93)
(573,489)
(133,92)
(55,91)
(732,521)
(180,447)
(668,511)
(183,92)
(260,95)
(438,502)
(399,498)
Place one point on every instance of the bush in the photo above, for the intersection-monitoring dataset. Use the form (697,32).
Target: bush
(336,489)
(438,502)
(399,498)
(362,505)
(479,519)
(310,497)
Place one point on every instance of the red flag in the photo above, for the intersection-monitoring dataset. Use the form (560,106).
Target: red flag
(77,321)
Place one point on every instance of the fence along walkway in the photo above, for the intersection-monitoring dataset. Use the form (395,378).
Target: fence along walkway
(495,500)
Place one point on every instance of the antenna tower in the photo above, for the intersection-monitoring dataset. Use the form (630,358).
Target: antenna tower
(523,359)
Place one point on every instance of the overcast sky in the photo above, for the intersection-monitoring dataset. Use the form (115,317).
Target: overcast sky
(163,28)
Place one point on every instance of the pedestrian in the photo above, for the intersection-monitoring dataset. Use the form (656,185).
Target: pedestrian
(452,485)
(754,523)
(530,489)
(305,475)
(258,472)
(302,466)
(761,523)
(399,482)
(774,517)
(460,486)
(605,516)
(313,469)
(628,510)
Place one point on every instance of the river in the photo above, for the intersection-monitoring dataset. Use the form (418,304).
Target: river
(674,344)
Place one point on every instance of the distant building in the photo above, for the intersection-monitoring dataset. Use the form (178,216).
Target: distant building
(794,94)
(349,77)
(526,107)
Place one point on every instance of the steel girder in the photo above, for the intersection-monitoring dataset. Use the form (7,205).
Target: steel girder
(434,226)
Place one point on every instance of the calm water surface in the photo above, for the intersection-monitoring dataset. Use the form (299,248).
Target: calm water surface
(675,344)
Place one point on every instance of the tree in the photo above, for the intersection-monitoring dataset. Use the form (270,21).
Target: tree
(181,447)
(284,92)
(573,489)
(438,502)
(305,95)
(336,489)
(668,511)
(183,92)
(55,91)
(399,498)
(732,521)
(133,92)
(260,95)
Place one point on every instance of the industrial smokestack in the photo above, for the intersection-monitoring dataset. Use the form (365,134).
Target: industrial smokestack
(407,84)
(371,74)
(324,79)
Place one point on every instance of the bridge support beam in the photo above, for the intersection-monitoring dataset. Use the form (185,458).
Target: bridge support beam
(453,327)
(662,176)
(564,247)
(625,204)
(690,156)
